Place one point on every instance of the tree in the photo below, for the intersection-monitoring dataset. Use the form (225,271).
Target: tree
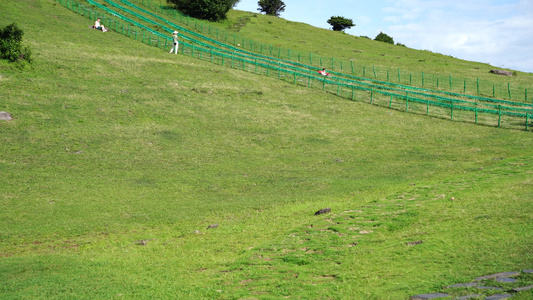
(340,23)
(271,7)
(382,37)
(212,10)
(11,44)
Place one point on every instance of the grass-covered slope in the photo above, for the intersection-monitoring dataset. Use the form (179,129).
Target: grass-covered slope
(120,155)
(303,38)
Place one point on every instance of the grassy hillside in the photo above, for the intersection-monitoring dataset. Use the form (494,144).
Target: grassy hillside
(120,155)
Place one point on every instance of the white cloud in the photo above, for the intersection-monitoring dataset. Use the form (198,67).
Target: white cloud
(491,31)
(500,35)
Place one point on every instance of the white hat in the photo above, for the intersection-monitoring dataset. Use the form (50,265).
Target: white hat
(175,32)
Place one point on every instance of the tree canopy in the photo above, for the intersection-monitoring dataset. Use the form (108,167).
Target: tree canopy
(212,10)
(271,7)
(382,37)
(340,23)
(11,44)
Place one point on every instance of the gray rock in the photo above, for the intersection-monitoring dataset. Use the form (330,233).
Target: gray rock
(212,226)
(501,72)
(469,297)
(492,276)
(504,279)
(428,296)
(460,285)
(5,116)
(487,288)
(499,296)
(527,271)
(323,211)
(524,288)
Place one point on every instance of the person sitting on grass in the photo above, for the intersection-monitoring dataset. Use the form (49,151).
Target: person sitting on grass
(323,72)
(98,26)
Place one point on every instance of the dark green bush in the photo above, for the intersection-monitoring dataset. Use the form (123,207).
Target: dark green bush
(382,37)
(213,10)
(11,44)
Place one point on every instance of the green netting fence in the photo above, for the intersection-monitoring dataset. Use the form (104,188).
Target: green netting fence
(505,114)
(420,79)
(247,54)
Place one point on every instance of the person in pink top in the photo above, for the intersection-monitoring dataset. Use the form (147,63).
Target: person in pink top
(323,72)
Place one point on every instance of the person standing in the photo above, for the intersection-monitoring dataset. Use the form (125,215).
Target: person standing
(175,45)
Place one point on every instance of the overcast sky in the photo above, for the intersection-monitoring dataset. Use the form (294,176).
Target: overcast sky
(498,32)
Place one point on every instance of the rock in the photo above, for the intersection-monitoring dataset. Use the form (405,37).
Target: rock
(141,242)
(504,279)
(5,116)
(488,288)
(524,288)
(498,296)
(323,211)
(212,226)
(460,285)
(492,276)
(414,243)
(501,72)
(428,296)
(469,297)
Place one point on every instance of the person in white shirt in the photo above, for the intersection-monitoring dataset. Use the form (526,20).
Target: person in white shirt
(175,45)
(98,26)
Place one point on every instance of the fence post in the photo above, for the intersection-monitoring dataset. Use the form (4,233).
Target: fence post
(476,114)
(509,90)
(451,110)
(371,95)
(450,82)
(499,114)
(407,103)
(422,79)
(399,78)
(478,86)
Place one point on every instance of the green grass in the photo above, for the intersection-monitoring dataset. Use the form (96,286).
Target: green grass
(115,142)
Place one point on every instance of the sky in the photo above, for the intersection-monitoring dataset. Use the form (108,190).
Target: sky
(497,32)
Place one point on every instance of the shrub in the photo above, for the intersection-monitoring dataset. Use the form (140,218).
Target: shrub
(11,44)
(213,10)
(382,37)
